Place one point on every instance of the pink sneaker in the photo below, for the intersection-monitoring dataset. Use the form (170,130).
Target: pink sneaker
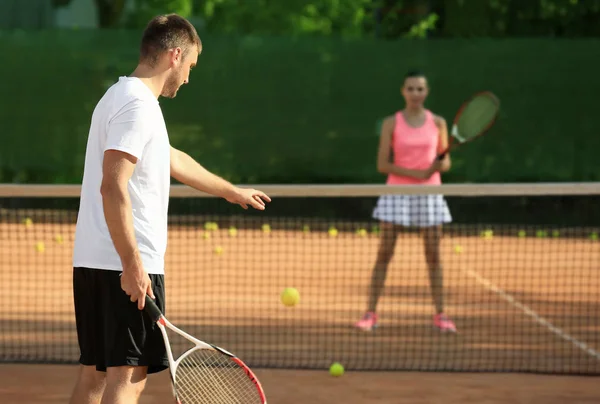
(368,322)
(443,323)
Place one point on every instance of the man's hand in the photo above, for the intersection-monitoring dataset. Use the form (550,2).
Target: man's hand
(135,282)
(252,197)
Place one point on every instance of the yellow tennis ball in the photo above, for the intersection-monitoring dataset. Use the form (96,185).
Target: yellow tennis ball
(232,231)
(206,235)
(458,249)
(40,247)
(290,297)
(361,232)
(306,229)
(336,369)
(333,232)
(218,250)
(27,222)
(211,226)
(58,238)
(487,234)
(594,236)
(522,233)
(266,228)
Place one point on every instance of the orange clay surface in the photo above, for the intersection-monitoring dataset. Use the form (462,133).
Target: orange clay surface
(520,304)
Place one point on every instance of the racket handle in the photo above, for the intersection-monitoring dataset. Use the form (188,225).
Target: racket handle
(152,309)
(441,156)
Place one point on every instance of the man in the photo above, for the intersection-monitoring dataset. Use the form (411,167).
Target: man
(121,232)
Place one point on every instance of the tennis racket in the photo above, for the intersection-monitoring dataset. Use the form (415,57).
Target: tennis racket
(474,118)
(206,373)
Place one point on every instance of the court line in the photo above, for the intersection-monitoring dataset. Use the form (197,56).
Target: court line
(531,313)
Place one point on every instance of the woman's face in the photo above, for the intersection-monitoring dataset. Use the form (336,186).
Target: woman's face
(415,91)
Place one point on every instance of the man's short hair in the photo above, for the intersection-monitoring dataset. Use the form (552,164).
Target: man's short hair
(166,32)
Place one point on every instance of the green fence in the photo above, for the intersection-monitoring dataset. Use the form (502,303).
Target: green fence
(284,110)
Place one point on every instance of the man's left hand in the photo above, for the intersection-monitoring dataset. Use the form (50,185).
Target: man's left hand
(252,197)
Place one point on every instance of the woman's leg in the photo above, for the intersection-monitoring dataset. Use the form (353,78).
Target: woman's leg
(389,234)
(432,237)
(387,244)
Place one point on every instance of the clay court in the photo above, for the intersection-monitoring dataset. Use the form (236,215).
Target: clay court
(520,304)
(54,382)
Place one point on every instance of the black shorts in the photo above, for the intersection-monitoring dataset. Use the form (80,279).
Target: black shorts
(111,330)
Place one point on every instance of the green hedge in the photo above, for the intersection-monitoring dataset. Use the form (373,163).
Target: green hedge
(284,110)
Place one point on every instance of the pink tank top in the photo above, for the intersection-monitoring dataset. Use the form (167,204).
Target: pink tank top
(415,148)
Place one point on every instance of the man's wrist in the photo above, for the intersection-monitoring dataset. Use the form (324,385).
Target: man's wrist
(232,192)
(133,262)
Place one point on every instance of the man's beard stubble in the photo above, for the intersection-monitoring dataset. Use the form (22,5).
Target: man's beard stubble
(172,85)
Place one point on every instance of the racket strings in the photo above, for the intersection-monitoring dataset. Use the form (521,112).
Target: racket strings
(477,116)
(207,376)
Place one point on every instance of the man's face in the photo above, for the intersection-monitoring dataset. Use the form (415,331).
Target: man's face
(181,66)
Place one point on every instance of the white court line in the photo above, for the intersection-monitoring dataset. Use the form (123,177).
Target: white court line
(527,310)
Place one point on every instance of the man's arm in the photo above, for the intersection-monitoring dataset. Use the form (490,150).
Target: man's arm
(117,169)
(189,172)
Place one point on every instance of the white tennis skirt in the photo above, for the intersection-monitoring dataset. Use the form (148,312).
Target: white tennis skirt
(413,210)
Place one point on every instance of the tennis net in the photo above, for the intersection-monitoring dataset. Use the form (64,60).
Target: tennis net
(521,277)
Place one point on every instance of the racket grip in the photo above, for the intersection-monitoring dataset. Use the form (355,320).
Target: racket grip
(152,309)
(441,156)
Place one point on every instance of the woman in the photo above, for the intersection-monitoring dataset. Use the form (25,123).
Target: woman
(416,137)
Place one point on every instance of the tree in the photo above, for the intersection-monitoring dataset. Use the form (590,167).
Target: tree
(109,12)
(382,18)
(145,10)
(391,19)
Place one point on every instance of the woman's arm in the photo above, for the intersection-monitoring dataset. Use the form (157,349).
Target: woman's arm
(443,144)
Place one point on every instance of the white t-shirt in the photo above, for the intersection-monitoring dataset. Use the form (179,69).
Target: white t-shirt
(127,118)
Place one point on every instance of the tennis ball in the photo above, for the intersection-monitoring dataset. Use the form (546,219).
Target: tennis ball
(211,226)
(375,229)
(40,247)
(306,229)
(232,231)
(458,249)
(522,233)
(333,232)
(290,297)
(541,233)
(555,233)
(361,232)
(218,250)
(27,222)
(336,369)
(594,236)
(266,228)
(58,238)
(487,234)
(206,235)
